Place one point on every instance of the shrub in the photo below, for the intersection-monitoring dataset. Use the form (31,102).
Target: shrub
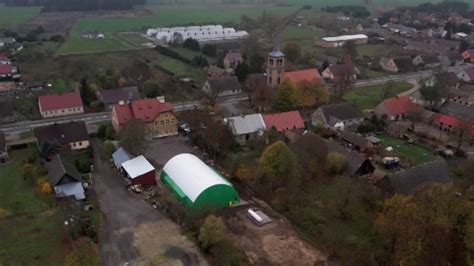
(109,148)
(212,232)
(191,44)
(335,163)
(83,163)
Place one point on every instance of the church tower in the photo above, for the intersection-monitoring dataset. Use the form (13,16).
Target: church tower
(275,64)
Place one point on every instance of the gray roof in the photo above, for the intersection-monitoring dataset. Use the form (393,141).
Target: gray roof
(460,111)
(120,156)
(418,177)
(114,96)
(429,59)
(453,56)
(353,160)
(226,83)
(7,40)
(246,124)
(354,139)
(62,172)
(340,111)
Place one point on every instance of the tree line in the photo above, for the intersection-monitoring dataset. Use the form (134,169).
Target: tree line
(77,5)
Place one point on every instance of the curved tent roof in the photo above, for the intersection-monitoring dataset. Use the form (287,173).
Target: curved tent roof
(192,175)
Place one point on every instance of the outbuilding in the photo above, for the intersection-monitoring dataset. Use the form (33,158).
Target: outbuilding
(140,171)
(120,156)
(197,185)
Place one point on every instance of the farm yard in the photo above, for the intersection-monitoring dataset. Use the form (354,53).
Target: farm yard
(368,97)
(412,152)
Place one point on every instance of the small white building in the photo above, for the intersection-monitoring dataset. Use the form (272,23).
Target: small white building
(246,127)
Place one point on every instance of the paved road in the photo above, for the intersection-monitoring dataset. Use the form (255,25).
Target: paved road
(90,118)
(132,230)
(180,106)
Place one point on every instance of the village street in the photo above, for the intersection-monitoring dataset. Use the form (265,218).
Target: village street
(132,230)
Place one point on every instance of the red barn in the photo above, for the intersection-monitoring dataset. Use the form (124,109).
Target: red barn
(140,171)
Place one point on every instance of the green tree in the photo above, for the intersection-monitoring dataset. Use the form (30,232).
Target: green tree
(335,163)
(132,137)
(85,253)
(350,49)
(191,44)
(292,51)
(241,71)
(278,165)
(152,88)
(109,148)
(286,97)
(212,231)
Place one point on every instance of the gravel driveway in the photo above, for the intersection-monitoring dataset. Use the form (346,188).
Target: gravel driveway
(132,230)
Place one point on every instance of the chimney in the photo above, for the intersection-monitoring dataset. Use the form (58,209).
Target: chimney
(161,99)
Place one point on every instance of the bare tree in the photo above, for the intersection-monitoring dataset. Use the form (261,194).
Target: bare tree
(260,94)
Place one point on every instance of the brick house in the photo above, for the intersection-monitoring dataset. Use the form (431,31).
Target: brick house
(338,72)
(62,104)
(158,116)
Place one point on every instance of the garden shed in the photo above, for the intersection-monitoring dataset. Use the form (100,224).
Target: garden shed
(140,171)
(197,185)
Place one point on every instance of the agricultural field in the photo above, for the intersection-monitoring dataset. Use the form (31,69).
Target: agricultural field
(294,33)
(416,154)
(162,16)
(12,16)
(32,232)
(370,96)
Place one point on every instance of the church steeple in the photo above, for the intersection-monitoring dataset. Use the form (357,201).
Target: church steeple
(275,63)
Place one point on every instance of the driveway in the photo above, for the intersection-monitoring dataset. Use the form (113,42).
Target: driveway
(133,231)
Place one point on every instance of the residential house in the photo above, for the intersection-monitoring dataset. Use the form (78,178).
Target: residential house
(468,55)
(15,47)
(426,60)
(246,127)
(215,72)
(340,72)
(321,58)
(438,47)
(397,64)
(232,59)
(158,116)
(396,108)
(417,178)
(65,179)
(6,71)
(355,141)
(62,104)
(307,75)
(460,111)
(120,156)
(114,96)
(462,95)
(3,149)
(72,134)
(7,87)
(337,116)
(140,171)
(449,79)
(451,58)
(6,41)
(223,86)
(467,75)
(4,59)
(284,121)
(92,34)
(6,113)
(356,165)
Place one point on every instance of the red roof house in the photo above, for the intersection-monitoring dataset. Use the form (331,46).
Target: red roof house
(308,75)
(447,123)
(61,104)
(284,121)
(394,108)
(155,113)
(469,55)
(5,70)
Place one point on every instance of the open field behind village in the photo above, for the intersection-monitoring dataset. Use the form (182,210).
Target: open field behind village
(12,16)
(370,96)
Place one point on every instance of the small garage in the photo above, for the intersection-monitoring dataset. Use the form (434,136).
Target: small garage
(140,171)
(197,185)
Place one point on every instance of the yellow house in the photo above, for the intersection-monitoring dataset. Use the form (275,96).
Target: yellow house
(158,116)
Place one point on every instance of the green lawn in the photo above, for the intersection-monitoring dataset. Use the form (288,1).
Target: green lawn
(33,232)
(189,54)
(370,96)
(181,69)
(294,33)
(416,154)
(135,40)
(12,16)
(163,16)
(58,86)
(17,196)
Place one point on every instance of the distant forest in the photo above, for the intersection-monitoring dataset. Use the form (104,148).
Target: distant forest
(76,5)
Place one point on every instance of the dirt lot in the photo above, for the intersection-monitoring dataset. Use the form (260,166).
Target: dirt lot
(276,243)
(132,230)
(62,22)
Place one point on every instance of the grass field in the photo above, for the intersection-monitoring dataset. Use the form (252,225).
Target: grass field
(294,33)
(33,232)
(162,16)
(370,96)
(181,69)
(416,154)
(12,16)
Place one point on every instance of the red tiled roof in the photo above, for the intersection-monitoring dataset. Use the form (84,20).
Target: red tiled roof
(447,120)
(284,121)
(310,75)
(5,69)
(145,110)
(59,101)
(400,105)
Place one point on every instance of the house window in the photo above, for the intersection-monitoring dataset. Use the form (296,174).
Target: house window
(167,121)
(162,122)
(172,121)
